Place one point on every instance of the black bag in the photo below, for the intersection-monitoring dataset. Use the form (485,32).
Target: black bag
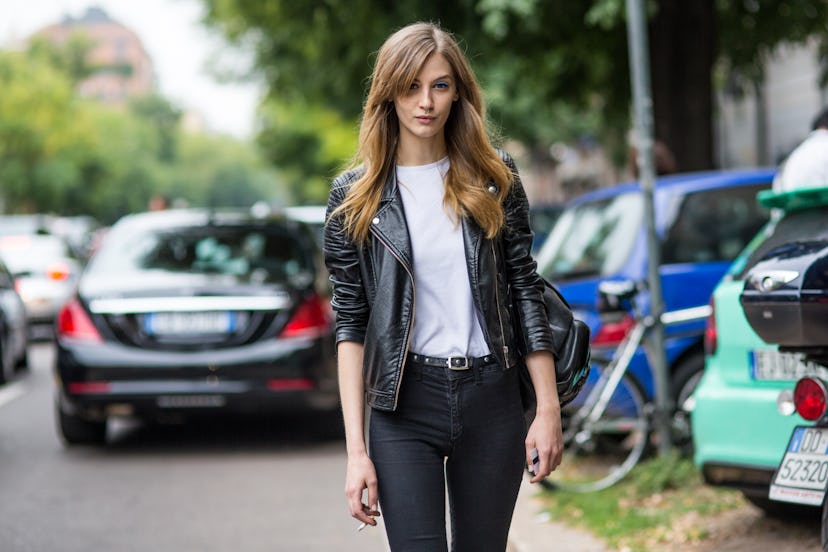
(570,337)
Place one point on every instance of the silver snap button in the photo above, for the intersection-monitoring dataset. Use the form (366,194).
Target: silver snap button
(376,220)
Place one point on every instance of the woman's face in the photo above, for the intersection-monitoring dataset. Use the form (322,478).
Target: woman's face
(424,109)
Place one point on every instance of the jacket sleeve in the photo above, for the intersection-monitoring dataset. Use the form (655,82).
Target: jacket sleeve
(342,259)
(525,284)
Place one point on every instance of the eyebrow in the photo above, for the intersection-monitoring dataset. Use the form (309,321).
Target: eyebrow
(442,77)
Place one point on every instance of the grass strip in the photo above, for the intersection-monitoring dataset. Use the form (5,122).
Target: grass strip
(662,501)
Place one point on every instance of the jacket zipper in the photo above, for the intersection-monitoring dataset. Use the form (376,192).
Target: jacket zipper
(410,322)
(500,316)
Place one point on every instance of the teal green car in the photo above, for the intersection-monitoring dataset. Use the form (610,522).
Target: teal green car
(739,434)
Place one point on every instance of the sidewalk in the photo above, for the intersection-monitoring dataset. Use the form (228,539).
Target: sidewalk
(532,531)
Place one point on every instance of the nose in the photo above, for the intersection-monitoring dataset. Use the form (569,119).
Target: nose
(426,102)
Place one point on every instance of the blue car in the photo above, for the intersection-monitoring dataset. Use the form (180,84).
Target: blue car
(703,221)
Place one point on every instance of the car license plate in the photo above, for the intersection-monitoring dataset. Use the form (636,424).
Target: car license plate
(188,323)
(802,476)
(771,365)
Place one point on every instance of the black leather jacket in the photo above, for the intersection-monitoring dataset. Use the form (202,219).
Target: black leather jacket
(373,286)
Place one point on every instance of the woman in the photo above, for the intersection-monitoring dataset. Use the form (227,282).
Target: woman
(426,238)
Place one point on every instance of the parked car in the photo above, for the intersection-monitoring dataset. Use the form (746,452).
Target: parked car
(739,435)
(45,274)
(542,217)
(703,220)
(13,332)
(191,312)
(312,215)
(78,231)
(19,225)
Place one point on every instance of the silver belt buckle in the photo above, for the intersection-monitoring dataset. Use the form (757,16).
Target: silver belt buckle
(452,366)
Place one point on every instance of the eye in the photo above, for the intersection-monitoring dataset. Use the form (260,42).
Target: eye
(414,86)
(441,85)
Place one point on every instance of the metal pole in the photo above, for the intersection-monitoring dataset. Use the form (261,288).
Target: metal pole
(643,107)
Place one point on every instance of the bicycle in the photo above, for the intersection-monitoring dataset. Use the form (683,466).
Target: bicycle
(609,431)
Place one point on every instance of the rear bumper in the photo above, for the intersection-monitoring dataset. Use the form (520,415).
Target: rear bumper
(739,437)
(97,381)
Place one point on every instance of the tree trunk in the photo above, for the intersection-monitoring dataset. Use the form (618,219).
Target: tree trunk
(682,49)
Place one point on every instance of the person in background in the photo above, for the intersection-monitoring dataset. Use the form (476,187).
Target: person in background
(807,164)
(427,239)
(158,202)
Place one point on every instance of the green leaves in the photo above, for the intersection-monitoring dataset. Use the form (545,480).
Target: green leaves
(63,154)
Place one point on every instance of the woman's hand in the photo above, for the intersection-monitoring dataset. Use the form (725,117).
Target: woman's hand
(545,435)
(361,476)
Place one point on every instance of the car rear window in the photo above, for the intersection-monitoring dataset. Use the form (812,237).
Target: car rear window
(592,239)
(803,225)
(714,225)
(25,253)
(258,254)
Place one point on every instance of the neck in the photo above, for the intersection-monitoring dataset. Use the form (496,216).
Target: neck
(414,153)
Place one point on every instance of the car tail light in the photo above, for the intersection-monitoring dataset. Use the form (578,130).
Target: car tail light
(58,271)
(74,323)
(612,333)
(88,387)
(290,384)
(310,319)
(711,336)
(810,398)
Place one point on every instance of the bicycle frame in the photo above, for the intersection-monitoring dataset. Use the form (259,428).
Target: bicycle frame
(598,398)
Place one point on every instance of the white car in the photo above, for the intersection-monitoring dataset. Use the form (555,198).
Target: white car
(45,275)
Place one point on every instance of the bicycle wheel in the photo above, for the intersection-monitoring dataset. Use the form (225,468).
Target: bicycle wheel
(600,454)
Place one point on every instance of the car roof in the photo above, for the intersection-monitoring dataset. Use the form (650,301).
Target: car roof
(685,183)
(314,214)
(192,217)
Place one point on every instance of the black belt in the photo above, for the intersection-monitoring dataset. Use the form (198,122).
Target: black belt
(453,363)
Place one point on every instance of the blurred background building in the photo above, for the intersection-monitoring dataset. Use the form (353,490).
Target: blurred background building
(121,67)
(759,122)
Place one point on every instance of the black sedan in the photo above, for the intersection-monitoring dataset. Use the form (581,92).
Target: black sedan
(185,312)
(13,333)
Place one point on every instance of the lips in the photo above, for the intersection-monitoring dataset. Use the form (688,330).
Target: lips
(424,119)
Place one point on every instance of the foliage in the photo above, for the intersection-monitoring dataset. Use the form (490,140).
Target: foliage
(553,70)
(320,54)
(164,118)
(70,58)
(310,143)
(64,154)
(219,171)
(647,508)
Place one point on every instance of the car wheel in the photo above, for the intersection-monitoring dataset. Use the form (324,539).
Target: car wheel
(78,431)
(685,378)
(23,362)
(823,528)
(6,365)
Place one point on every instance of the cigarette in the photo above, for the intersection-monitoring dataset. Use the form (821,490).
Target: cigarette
(362,526)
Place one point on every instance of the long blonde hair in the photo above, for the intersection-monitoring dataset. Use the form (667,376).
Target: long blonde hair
(473,160)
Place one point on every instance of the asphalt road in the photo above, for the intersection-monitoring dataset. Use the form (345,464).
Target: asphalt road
(248,485)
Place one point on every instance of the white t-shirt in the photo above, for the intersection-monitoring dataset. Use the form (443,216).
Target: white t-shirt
(806,166)
(445,319)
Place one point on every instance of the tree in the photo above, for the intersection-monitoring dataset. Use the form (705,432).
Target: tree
(63,154)
(308,143)
(543,63)
(164,117)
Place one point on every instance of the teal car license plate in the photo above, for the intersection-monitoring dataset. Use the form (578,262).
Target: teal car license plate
(802,476)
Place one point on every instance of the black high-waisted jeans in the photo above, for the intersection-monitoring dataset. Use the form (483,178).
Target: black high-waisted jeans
(461,428)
